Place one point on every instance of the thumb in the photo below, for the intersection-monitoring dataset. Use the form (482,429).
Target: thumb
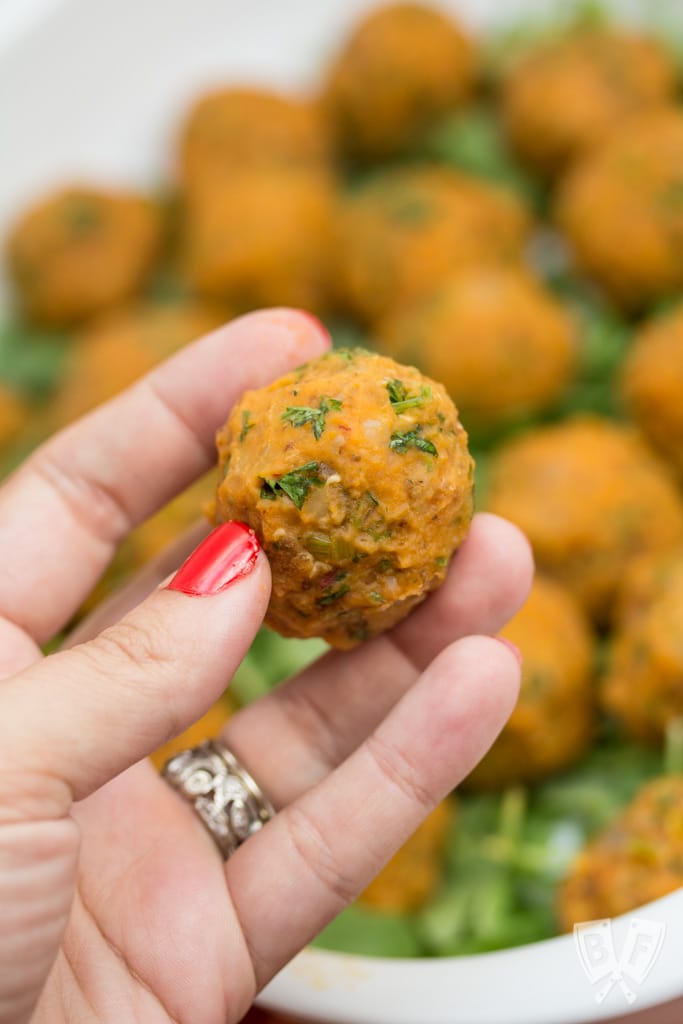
(81,716)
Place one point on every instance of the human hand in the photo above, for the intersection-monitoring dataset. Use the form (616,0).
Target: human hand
(115,904)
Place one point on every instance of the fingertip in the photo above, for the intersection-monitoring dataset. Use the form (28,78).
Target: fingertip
(499,544)
(297,334)
(488,677)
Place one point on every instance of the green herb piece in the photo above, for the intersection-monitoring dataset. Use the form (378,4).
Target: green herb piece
(319,544)
(376,597)
(334,595)
(300,415)
(296,484)
(246,425)
(333,592)
(401,400)
(402,440)
(441,561)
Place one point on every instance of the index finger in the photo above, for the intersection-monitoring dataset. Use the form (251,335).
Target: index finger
(64,511)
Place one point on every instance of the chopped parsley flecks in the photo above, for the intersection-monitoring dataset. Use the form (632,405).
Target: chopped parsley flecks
(334,591)
(296,484)
(401,400)
(301,415)
(376,597)
(402,440)
(385,565)
(334,595)
(442,561)
(246,425)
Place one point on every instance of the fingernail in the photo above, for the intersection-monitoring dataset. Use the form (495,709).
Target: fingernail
(511,647)
(317,323)
(227,554)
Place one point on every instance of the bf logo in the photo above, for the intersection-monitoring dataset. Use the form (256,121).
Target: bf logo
(594,942)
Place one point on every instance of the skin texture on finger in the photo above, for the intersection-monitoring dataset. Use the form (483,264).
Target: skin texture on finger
(315,856)
(155,931)
(65,510)
(141,586)
(98,708)
(322,714)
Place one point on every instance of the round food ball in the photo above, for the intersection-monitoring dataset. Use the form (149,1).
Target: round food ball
(413,875)
(355,474)
(80,251)
(553,721)
(590,496)
(405,230)
(503,345)
(262,238)
(560,100)
(652,384)
(621,209)
(119,347)
(231,129)
(642,685)
(403,66)
(638,858)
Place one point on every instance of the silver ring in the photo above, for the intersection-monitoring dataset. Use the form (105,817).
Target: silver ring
(222,792)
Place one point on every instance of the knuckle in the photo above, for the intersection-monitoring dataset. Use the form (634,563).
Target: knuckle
(139,644)
(318,856)
(401,774)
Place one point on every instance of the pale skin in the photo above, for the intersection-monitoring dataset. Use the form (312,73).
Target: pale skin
(115,905)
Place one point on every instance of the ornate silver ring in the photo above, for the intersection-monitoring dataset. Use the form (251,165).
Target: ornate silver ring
(222,792)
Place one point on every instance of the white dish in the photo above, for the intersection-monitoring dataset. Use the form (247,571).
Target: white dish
(94,90)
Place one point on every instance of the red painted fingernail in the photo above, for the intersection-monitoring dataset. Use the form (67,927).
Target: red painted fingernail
(227,554)
(510,646)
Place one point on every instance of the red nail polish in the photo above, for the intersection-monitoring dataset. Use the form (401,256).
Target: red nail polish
(228,553)
(511,647)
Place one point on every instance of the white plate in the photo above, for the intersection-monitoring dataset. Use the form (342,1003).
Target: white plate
(95,90)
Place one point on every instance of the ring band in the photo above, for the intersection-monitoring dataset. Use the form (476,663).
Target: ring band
(222,792)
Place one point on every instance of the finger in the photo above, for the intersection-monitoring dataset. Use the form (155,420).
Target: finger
(65,510)
(131,594)
(81,716)
(318,854)
(322,714)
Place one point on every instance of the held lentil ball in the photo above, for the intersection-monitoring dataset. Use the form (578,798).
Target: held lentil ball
(642,687)
(111,353)
(553,721)
(589,496)
(403,66)
(407,229)
(502,345)
(561,100)
(652,384)
(262,238)
(413,874)
(80,251)
(229,129)
(355,474)
(638,858)
(621,209)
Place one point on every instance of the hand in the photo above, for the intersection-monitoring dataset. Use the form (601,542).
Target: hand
(115,905)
